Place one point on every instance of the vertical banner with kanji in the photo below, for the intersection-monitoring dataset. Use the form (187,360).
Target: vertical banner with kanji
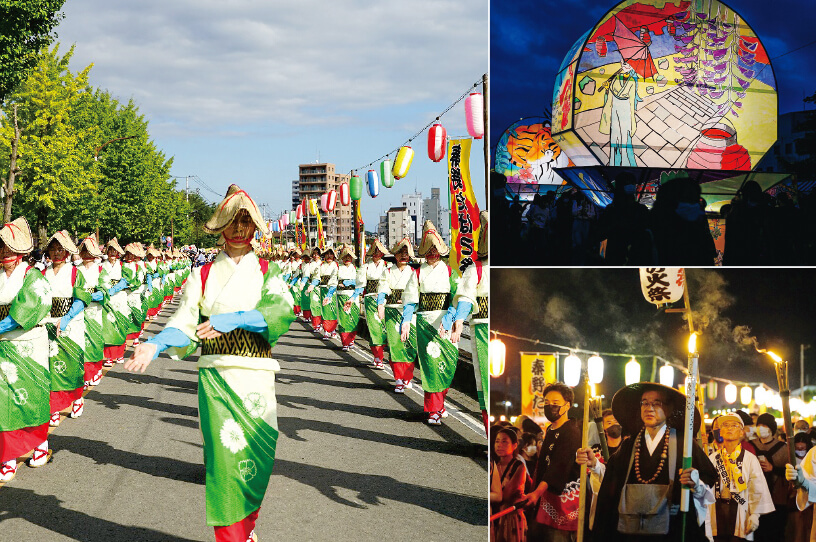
(464,209)
(360,228)
(321,238)
(537,370)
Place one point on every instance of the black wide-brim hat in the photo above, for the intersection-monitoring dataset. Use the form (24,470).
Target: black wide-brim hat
(626,407)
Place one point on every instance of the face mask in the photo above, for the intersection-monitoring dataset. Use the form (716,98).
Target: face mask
(689,211)
(613,431)
(801,453)
(764,432)
(552,412)
(750,432)
(531,450)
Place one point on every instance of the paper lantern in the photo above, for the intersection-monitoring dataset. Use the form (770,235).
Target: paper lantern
(572,370)
(313,207)
(496,353)
(745,395)
(373,183)
(276,226)
(299,212)
(474,115)
(760,395)
(386,177)
(345,195)
(632,372)
(437,141)
(730,394)
(356,188)
(600,46)
(292,217)
(323,203)
(667,376)
(595,367)
(331,200)
(662,285)
(284,219)
(711,389)
(403,162)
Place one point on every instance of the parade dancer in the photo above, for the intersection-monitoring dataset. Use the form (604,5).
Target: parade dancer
(116,324)
(429,293)
(154,291)
(237,310)
(294,277)
(301,286)
(315,302)
(133,271)
(403,354)
(25,300)
(66,332)
(94,314)
(374,273)
(348,308)
(328,287)
(473,294)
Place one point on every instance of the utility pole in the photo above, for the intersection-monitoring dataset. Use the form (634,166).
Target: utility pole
(187,188)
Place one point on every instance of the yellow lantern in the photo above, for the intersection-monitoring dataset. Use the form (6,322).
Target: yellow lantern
(745,395)
(496,353)
(730,394)
(403,162)
(314,206)
(632,372)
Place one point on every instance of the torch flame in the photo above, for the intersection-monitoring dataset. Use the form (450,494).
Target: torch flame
(692,344)
(776,358)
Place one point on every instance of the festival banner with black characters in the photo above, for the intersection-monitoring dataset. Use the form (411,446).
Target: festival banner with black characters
(537,370)
(662,285)
(464,209)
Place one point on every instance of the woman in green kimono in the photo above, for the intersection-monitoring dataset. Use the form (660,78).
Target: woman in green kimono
(155,293)
(25,300)
(328,287)
(94,312)
(349,286)
(116,323)
(133,271)
(237,310)
(374,273)
(66,332)
(313,291)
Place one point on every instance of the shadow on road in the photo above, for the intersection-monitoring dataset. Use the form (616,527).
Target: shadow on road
(113,402)
(47,512)
(182,386)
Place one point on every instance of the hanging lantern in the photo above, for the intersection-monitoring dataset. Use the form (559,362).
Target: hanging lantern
(285,219)
(759,395)
(275,226)
(372,183)
(281,227)
(730,394)
(299,212)
(595,367)
(292,217)
(313,207)
(711,390)
(645,37)
(632,372)
(356,188)
(496,352)
(745,395)
(662,285)
(572,370)
(437,142)
(331,200)
(600,46)
(474,115)
(403,162)
(323,202)
(345,195)
(386,176)
(667,376)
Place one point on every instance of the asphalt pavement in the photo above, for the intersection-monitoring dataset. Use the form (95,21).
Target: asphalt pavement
(355,461)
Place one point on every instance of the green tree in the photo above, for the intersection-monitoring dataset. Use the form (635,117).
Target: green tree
(26,26)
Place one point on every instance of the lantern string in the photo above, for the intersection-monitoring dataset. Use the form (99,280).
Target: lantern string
(678,366)
(419,133)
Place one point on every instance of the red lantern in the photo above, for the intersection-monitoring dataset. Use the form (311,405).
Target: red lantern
(331,200)
(645,37)
(474,115)
(345,194)
(299,211)
(600,46)
(437,139)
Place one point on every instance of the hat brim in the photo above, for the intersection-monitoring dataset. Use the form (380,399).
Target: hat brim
(90,244)
(17,236)
(64,240)
(226,211)
(432,239)
(626,407)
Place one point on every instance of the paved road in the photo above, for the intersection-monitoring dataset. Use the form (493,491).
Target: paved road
(354,461)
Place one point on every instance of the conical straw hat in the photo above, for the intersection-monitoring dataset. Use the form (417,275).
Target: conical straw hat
(431,238)
(235,200)
(347,250)
(113,243)
(136,249)
(64,239)
(17,236)
(152,250)
(92,246)
(404,242)
(378,245)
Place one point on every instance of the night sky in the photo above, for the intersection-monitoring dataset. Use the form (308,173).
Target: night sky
(604,310)
(529,39)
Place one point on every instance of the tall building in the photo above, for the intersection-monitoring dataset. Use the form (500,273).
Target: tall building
(400,224)
(314,180)
(295,193)
(413,204)
(433,210)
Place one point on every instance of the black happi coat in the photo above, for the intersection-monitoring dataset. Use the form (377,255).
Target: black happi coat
(606,510)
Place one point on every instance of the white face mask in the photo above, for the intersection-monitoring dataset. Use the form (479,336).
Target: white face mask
(531,450)
(750,432)
(801,453)
(764,432)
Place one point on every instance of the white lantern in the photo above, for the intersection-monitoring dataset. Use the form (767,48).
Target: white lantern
(595,367)
(496,352)
(667,376)
(572,370)
(632,372)
(759,395)
(730,394)
(745,395)
(661,285)
(711,389)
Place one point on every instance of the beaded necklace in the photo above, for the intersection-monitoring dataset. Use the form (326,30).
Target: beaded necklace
(663,456)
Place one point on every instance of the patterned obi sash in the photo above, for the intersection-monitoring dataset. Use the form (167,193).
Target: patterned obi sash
(4,310)
(482,302)
(60,306)
(238,342)
(434,302)
(371,287)
(324,280)
(394,298)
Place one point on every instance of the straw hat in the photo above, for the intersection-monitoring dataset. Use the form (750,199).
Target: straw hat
(347,250)
(295,252)
(152,251)
(113,243)
(378,245)
(482,251)
(17,236)
(404,242)
(431,238)
(235,200)
(136,249)
(330,249)
(626,407)
(63,238)
(92,246)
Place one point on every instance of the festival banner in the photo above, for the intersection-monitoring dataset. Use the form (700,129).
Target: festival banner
(537,370)
(464,209)
(321,238)
(358,224)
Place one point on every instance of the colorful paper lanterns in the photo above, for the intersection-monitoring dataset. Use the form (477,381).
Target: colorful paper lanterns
(595,367)
(632,372)
(331,200)
(730,394)
(356,188)
(299,212)
(323,203)
(403,162)
(313,207)
(292,217)
(386,177)
(474,115)
(345,194)
(276,226)
(496,354)
(711,389)
(284,219)
(373,183)
(667,376)
(572,370)
(437,141)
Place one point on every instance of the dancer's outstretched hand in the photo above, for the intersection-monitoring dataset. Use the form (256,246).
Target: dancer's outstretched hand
(141,358)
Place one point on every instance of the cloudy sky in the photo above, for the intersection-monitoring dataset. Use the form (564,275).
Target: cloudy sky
(244,91)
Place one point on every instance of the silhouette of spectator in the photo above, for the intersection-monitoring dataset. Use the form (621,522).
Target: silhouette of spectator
(746,229)
(623,225)
(679,225)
